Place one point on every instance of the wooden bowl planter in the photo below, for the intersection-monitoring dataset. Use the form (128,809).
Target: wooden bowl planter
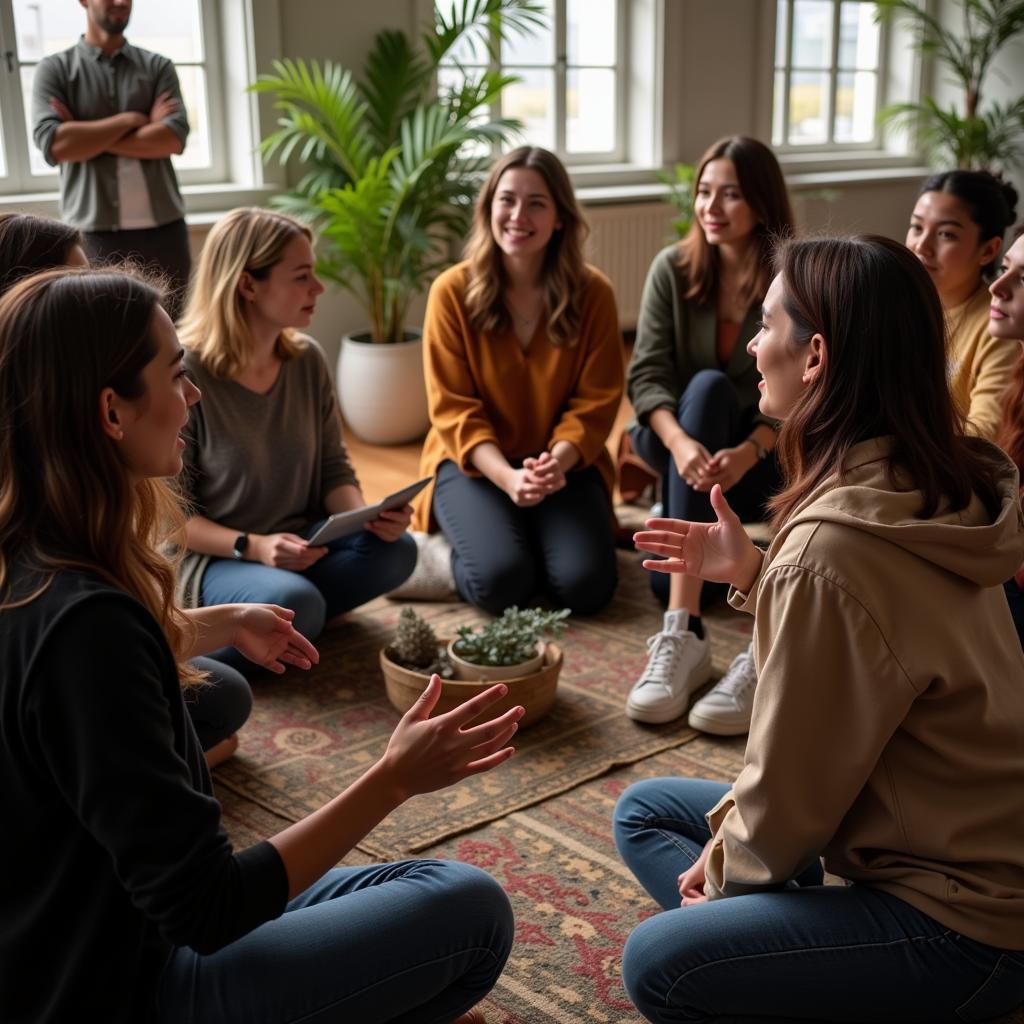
(536,692)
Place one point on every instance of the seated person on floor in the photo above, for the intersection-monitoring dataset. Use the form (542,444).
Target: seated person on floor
(888,717)
(523,356)
(221,707)
(694,389)
(130,903)
(1007,324)
(265,461)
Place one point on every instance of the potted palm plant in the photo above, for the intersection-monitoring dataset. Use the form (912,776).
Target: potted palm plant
(394,159)
(977,137)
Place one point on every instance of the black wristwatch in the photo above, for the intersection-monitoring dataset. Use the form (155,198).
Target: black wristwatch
(239,547)
(762,452)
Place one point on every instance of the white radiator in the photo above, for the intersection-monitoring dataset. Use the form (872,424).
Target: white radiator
(623,240)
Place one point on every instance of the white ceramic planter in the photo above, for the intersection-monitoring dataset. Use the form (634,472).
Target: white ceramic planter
(469,670)
(381,390)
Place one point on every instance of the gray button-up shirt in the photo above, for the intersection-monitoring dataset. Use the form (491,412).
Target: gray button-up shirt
(93,86)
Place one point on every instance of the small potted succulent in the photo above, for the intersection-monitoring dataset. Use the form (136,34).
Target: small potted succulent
(511,649)
(508,647)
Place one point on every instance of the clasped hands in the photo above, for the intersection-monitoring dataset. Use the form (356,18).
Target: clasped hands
(702,470)
(538,478)
(720,551)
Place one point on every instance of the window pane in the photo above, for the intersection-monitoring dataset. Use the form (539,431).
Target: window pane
(812,34)
(808,100)
(536,47)
(193,91)
(532,101)
(855,106)
(3,161)
(858,36)
(778,106)
(43,27)
(590,30)
(590,110)
(781,32)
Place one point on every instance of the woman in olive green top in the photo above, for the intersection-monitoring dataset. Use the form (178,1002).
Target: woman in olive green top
(694,389)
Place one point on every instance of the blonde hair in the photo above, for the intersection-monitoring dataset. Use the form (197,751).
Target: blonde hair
(67,500)
(213,326)
(564,272)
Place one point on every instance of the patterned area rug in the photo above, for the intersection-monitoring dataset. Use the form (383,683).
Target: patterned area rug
(311,734)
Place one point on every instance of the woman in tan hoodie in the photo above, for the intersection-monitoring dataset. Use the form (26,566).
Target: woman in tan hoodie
(888,725)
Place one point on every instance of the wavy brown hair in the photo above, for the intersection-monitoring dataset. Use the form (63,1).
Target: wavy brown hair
(213,324)
(29,244)
(67,500)
(564,272)
(764,189)
(884,374)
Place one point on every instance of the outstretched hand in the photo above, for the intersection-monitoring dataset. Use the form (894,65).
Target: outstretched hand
(426,754)
(720,551)
(265,635)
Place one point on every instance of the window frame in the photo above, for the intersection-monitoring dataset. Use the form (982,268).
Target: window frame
(560,68)
(19,179)
(829,147)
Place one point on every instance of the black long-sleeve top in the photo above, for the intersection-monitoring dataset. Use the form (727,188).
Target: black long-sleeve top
(113,850)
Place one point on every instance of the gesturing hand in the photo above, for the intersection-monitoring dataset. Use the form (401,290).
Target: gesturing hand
(265,635)
(691,881)
(719,551)
(425,754)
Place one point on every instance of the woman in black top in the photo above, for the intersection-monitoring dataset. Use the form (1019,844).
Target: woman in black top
(121,895)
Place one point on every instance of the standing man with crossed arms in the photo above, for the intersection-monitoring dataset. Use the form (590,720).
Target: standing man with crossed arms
(111,115)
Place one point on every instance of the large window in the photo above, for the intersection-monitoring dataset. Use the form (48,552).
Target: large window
(571,94)
(828,75)
(183,31)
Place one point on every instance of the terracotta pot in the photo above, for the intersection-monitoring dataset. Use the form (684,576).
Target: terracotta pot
(535,692)
(495,673)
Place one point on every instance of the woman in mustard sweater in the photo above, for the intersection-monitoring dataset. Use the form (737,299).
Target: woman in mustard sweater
(523,360)
(956,231)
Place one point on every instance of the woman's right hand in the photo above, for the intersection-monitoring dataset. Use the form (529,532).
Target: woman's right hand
(283,551)
(719,551)
(524,488)
(692,460)
(425,754)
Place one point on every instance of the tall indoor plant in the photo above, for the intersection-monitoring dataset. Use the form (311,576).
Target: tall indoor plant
(978,136)
(393,160)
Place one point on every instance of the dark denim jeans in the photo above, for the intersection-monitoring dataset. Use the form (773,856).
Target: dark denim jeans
(806,952)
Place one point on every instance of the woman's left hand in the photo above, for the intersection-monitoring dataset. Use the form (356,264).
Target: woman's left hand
(691,881)
(265,635)
(546,471)
(728,466)
(391,523)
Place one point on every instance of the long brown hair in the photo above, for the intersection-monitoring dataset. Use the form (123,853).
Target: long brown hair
(884,373)
(213,324)
(1011,433)
(564,273)
(763,187)
(29,244)
(67,500)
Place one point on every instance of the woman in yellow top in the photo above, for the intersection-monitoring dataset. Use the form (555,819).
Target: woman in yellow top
(523,361)
(956,231)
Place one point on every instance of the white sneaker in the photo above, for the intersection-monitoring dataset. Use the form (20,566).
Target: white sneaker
(725,709)
(680,663)
(432,578)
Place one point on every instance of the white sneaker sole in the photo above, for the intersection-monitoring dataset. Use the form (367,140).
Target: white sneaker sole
(671,710)
(717,726)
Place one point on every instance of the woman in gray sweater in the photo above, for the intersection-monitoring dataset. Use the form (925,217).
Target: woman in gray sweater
(265,460)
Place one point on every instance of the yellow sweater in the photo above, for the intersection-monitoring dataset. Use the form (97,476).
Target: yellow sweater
(979,365)
(489,388)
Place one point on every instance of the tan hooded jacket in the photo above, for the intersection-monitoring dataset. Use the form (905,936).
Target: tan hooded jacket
(888,723)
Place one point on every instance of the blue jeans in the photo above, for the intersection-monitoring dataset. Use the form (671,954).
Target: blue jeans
(710,413)
(356,569)
(417,942)
(807,951)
